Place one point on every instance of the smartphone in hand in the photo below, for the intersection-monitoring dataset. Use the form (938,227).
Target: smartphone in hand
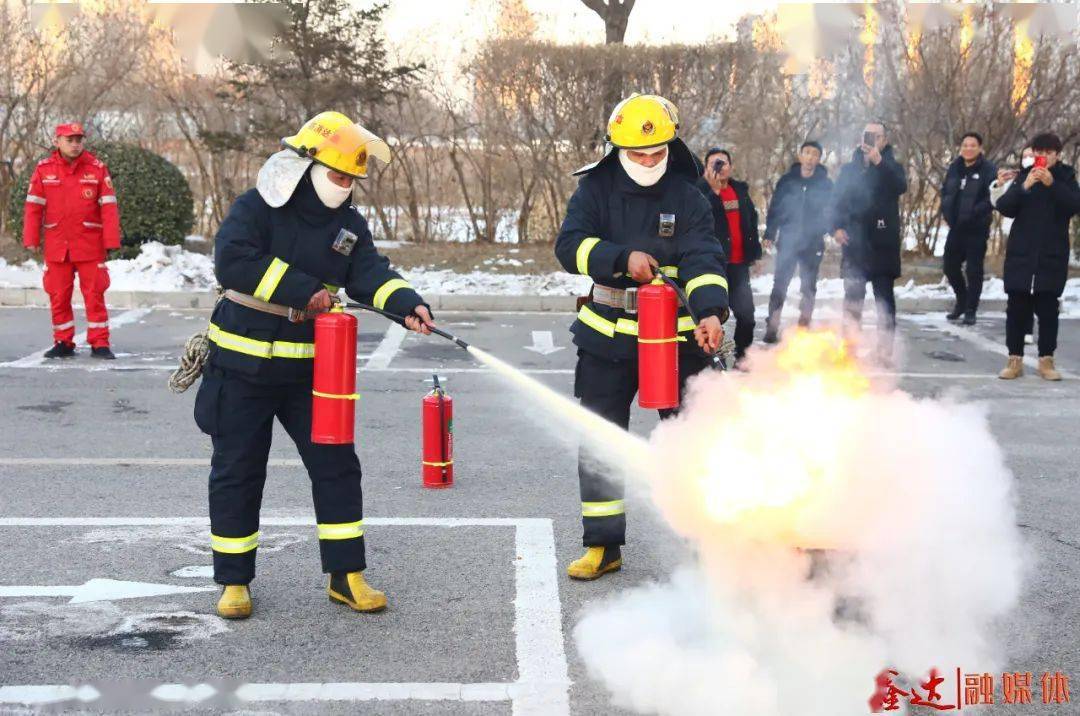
(1040,162)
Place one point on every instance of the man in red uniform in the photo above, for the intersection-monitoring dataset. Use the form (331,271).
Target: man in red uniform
(71,197)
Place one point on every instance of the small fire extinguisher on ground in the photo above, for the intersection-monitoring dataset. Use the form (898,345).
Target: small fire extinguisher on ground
(438,437)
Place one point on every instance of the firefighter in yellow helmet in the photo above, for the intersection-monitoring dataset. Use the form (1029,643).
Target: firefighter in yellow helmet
(635,213)
(291,243)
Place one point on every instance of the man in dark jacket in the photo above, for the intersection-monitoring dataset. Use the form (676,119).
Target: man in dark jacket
(966,208)
(797,223)
(866,222)
(1041,201)
(635,213)
(735,219)
(289,244)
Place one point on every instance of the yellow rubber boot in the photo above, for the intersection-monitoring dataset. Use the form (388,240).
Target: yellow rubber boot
(351,589)
(235,602)
(596,562)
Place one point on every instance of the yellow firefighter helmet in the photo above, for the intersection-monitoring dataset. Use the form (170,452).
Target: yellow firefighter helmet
(642,121)
(335,141)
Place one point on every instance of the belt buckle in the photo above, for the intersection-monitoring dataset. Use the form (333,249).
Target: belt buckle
(630,300)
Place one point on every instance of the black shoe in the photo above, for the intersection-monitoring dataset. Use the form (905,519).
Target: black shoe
(771,336)
(969,318)
(61,350)
(955,314)
(102,352)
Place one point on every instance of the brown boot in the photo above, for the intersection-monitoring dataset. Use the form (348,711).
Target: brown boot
(1046,368)
(1013,369)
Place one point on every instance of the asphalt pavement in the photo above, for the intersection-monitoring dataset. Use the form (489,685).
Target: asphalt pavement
(103,477)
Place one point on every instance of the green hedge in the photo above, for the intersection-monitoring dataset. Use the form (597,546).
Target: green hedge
(154,197)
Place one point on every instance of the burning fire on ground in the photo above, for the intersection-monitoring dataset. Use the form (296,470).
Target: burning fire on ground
(835,528)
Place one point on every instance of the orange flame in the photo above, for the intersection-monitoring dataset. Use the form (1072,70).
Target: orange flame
(1023,61)
(768,489)
(967,31)
(868,37)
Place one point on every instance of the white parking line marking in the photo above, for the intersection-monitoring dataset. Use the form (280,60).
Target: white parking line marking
(135,462)
(543,674)
(387,348)
(36,359)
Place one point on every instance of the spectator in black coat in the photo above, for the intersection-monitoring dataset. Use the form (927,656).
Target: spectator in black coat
(866,222)
(1041,202)
(966,208)
(736,221)
(796,223)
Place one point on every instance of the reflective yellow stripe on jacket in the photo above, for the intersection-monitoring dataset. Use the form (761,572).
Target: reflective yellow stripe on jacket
(627,326)
(384,292)
(583,250)
(234,545)
(603,509)
(259,349)
(270,280)
(705,279)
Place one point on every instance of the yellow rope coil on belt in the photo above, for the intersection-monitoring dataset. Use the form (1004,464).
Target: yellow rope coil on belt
(196,351)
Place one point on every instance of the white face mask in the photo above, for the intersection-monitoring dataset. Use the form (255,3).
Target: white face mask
(1027,162)
(329,193)
(642,175)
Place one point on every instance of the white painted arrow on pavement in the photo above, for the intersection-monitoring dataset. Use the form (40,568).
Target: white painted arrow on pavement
(543,343)
(100,590)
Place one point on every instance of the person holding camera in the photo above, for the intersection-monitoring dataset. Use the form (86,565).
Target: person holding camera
(736,220)
(796,224)
(966,209)
(1041,201)
(866,223)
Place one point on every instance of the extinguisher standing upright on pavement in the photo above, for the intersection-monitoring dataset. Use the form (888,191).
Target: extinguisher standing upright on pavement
(333,394)
(438,437)
(658,349)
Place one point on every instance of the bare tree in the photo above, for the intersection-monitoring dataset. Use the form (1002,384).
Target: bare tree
(615,14)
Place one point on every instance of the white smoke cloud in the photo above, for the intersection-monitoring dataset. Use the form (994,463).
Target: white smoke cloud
(911,497)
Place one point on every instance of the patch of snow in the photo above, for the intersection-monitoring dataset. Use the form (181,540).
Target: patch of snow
(157,268)
(445,281)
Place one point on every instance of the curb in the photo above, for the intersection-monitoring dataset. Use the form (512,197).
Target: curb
(35,297)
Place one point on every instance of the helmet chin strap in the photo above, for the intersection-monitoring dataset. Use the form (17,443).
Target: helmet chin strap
(330,194)
(642,175)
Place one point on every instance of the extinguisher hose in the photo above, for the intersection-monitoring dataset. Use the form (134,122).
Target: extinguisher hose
(401,319)
(717,360)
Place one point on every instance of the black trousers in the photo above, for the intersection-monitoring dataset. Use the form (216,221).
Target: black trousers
(239,417)
(607,388)
(741,302)
(1019,320)
(808,261)
(884,300)
(965,247)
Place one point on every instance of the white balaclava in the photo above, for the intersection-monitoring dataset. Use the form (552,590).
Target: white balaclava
(642,175)
(329,193)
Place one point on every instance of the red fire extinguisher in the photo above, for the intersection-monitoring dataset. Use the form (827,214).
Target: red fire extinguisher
(333,394)
(438,438)
(658,350)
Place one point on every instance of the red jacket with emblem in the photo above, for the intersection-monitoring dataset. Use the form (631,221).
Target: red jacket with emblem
(74,202)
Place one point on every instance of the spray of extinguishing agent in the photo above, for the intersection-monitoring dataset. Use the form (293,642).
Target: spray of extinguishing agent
(612,443)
